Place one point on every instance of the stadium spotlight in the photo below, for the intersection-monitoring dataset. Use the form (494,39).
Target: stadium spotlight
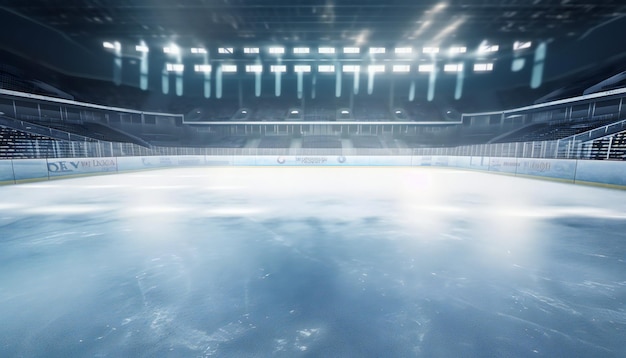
(277,50)
(174,67)
(351,50)
(430,50)
(112,45)
(374,50)
(250,50)
(453,67)
(455,50)
(142,48)
(403,50)
(351,68)
(401,68)
(376,68)
(171,49)
(520,45)
(295,111)
(198,50)
(225,50)
(203,68)
(254,68)
(483,67)
(278,68)
(426,68)
(345,111)
(229,68)
(486,48)
(302,68)
(326,50)
(301,50)
(326,68)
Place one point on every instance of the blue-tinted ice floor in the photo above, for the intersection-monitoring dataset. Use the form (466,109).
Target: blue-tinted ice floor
(320,262)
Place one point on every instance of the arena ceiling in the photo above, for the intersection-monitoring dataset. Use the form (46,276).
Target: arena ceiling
(581,36)
(233,22)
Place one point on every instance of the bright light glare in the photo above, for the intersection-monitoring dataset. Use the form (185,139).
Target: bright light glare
(109,45)
(351,68)
(229,68)
(250,50)
(326,68)
(377,50)
(277,50)
(401,68)
(254,68)
(345,112)
(430,50)
(351,50)
(376,68)
(278,68)
(174,67)
(302,68)
(440,6)
(142,48)
(453,67)
(488,48)
(326,50)
(202,68)
(520,45)
(457,49)
(198,50)
(172,49)
(225,50)
(426,68)
(483,67)
(294,112)
(403,50)
(301,50)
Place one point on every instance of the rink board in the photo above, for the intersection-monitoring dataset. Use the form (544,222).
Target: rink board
(603,173)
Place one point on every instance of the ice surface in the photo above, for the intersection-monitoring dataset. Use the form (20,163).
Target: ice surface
(311,262)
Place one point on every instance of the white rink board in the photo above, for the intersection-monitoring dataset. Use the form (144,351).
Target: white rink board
(609,173)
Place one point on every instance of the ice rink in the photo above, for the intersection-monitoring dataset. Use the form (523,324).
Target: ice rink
(320,262)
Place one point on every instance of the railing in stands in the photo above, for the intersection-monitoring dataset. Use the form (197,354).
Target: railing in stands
(612,147)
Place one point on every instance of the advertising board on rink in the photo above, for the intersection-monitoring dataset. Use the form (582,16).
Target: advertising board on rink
(560,169)
(503,165)
(595,172)
(77,166)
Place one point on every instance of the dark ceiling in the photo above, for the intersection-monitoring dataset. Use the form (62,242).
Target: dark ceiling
(583,37)
(386,22)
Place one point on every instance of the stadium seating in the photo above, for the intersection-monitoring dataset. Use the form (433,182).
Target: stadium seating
(15,144)
(321,141)
(275,142)
(551,131)
(366,142)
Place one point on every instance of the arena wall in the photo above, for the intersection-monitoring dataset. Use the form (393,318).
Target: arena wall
(601,173)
